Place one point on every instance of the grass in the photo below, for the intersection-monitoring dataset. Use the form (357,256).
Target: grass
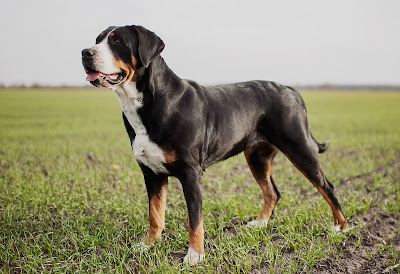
(72,198)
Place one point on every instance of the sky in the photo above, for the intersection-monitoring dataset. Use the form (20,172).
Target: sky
(292,42)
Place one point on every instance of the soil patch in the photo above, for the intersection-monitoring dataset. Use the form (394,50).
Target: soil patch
(373,249)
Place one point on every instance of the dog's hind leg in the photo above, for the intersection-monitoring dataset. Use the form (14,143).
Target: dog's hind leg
(290,132)
(303,153)
(259,158)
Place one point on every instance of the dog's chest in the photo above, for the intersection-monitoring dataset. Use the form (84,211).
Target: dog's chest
(146,152)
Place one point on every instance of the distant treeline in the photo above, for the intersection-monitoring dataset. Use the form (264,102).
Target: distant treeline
(328,87)
(323,87)
(40,86)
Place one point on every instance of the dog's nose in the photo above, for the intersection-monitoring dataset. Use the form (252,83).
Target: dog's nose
(88,53)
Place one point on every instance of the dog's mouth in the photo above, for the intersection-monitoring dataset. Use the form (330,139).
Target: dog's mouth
(114,79)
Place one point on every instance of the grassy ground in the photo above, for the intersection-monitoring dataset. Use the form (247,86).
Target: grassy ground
(72,198)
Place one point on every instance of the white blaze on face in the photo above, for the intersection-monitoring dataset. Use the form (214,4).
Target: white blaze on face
(104,60)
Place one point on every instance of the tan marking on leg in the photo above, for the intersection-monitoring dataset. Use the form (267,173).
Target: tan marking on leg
(264,181)
(338,217)
(196,237)
(269,203)
(157,216)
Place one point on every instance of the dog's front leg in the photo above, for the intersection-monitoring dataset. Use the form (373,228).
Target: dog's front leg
(191,183)
(157,191)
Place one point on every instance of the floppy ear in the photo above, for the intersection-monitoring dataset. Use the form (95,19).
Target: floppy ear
(150,45)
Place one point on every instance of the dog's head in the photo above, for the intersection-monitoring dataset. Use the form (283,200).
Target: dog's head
(118,53)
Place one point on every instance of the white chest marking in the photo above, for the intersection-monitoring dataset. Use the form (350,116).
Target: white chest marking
(145,151)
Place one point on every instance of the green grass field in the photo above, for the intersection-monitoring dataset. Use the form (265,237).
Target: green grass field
(72,198)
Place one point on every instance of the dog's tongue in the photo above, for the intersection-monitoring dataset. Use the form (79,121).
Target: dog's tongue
(91,76)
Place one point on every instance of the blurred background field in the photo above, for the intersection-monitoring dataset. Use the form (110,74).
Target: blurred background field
(72,196)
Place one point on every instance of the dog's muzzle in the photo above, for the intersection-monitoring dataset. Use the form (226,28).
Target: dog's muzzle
(94,75)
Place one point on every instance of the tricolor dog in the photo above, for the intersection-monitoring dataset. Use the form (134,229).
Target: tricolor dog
(179,128)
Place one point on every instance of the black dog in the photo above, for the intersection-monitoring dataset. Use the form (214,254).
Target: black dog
(179,128)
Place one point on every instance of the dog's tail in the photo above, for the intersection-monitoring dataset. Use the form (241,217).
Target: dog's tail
(321,147)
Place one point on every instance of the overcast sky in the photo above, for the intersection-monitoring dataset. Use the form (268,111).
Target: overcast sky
(291,42)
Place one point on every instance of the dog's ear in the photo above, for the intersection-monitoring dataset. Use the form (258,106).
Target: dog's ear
(150,45)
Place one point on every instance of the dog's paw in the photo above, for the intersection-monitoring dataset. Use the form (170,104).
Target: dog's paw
(258,223)
(343,229)
(193,257)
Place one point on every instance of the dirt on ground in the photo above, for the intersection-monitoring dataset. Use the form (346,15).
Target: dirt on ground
(374,245)
(371,249)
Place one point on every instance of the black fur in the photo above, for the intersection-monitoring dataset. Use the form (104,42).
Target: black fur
(204,125)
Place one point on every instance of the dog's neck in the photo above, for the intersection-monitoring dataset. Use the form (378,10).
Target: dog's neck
(156,84)
(131,101)
(161,79)
(129,91)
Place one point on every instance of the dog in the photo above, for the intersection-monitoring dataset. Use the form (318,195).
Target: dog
(179,128)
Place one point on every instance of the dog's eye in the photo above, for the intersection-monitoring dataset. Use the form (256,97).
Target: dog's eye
(116,41)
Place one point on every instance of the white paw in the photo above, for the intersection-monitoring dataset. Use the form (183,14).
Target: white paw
(338,229)
(140,247)
(258,223)
(193,257)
